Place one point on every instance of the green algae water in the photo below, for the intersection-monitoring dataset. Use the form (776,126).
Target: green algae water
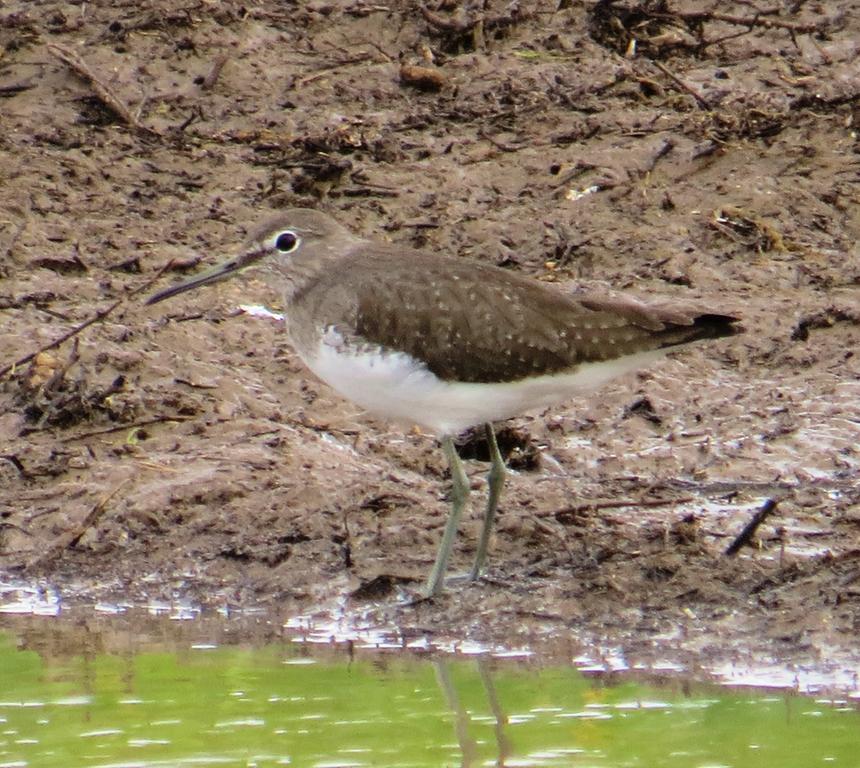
(85,699)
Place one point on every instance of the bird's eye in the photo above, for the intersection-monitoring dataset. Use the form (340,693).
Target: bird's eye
(286,242)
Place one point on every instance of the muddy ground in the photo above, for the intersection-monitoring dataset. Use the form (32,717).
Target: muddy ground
(182,451)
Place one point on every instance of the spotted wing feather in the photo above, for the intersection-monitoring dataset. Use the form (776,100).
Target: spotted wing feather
(478,323)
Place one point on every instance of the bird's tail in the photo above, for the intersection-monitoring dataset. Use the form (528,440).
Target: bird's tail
(697,327)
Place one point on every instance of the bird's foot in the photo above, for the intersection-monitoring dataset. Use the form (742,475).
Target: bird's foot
(427,593)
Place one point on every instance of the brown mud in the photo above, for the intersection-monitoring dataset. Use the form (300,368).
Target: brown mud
(183,452)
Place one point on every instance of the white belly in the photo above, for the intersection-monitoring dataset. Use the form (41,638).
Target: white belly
(398,387)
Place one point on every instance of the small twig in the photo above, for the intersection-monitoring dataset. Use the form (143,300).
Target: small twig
(12,90)
(747,533)
(762,19)
(95,514)
(325,69)
(665,147)
(346,545)
(121,427)
(560,535)
(700,100)
(382,52)
(100,315)
(725,38)
(215,72)
(499,144)
(614,505)
(97,317)
(441,23)
(476,23)
(15,462)
(196,114)
(71,59)
(579,168)
(70,539)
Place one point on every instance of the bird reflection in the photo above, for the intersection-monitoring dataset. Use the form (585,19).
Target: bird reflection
(463,720)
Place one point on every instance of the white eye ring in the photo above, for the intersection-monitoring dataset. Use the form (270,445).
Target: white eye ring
(286,241)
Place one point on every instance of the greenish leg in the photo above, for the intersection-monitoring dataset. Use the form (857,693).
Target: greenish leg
(495,483)
(459,496)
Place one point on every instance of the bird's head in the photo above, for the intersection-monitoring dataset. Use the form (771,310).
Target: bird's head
(274,248)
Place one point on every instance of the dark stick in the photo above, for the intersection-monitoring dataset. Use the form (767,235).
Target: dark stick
(700,100)
(747,533)
(762,19)
(98,316)
(116,105)
(215,72)
(616,504)
(121,427)
(70,539)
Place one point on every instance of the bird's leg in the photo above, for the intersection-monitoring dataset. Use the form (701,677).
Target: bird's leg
(495,483)
(459,496)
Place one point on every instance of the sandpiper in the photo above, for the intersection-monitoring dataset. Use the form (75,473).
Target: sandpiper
(447,344)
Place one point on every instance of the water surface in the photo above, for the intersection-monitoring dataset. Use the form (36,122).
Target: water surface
(77,696)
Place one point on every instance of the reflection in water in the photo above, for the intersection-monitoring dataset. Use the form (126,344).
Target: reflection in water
(462,719)
(468,745)
(501,719)
(162,694)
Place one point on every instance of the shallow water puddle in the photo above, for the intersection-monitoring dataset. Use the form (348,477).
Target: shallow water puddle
(73,694)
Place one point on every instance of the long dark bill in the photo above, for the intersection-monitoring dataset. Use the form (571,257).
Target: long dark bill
(214,275)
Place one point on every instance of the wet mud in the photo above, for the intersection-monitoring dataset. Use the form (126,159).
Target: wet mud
(183,452)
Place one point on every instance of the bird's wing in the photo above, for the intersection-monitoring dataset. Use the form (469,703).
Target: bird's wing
(472,322)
